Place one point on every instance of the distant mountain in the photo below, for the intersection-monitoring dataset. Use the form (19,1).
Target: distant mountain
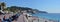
(29,10)
(16,8)
(37,11)
(43,12)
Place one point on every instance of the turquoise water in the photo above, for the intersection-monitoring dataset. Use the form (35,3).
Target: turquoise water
(53,16)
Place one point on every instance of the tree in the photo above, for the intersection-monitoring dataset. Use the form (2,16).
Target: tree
(3,5)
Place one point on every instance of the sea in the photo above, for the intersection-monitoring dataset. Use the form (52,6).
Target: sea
(53,16)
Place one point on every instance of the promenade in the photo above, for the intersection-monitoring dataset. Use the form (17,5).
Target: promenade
(22,18)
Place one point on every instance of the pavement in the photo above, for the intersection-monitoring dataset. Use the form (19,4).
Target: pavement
(22,18)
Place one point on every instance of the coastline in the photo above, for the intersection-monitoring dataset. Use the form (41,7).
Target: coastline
(49,16)
(40,19)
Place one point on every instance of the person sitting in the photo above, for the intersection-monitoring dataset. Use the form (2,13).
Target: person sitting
(6,20)
(15,17)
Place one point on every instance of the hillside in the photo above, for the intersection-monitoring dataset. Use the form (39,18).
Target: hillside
(29,10)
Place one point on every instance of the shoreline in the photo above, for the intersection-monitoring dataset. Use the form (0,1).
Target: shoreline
(40,19)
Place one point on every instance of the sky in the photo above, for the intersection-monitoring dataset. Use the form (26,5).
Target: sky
(51,6)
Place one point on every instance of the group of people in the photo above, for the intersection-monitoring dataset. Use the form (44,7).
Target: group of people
(13,18)
(10,19)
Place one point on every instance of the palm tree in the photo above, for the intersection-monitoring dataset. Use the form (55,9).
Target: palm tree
(3,5)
